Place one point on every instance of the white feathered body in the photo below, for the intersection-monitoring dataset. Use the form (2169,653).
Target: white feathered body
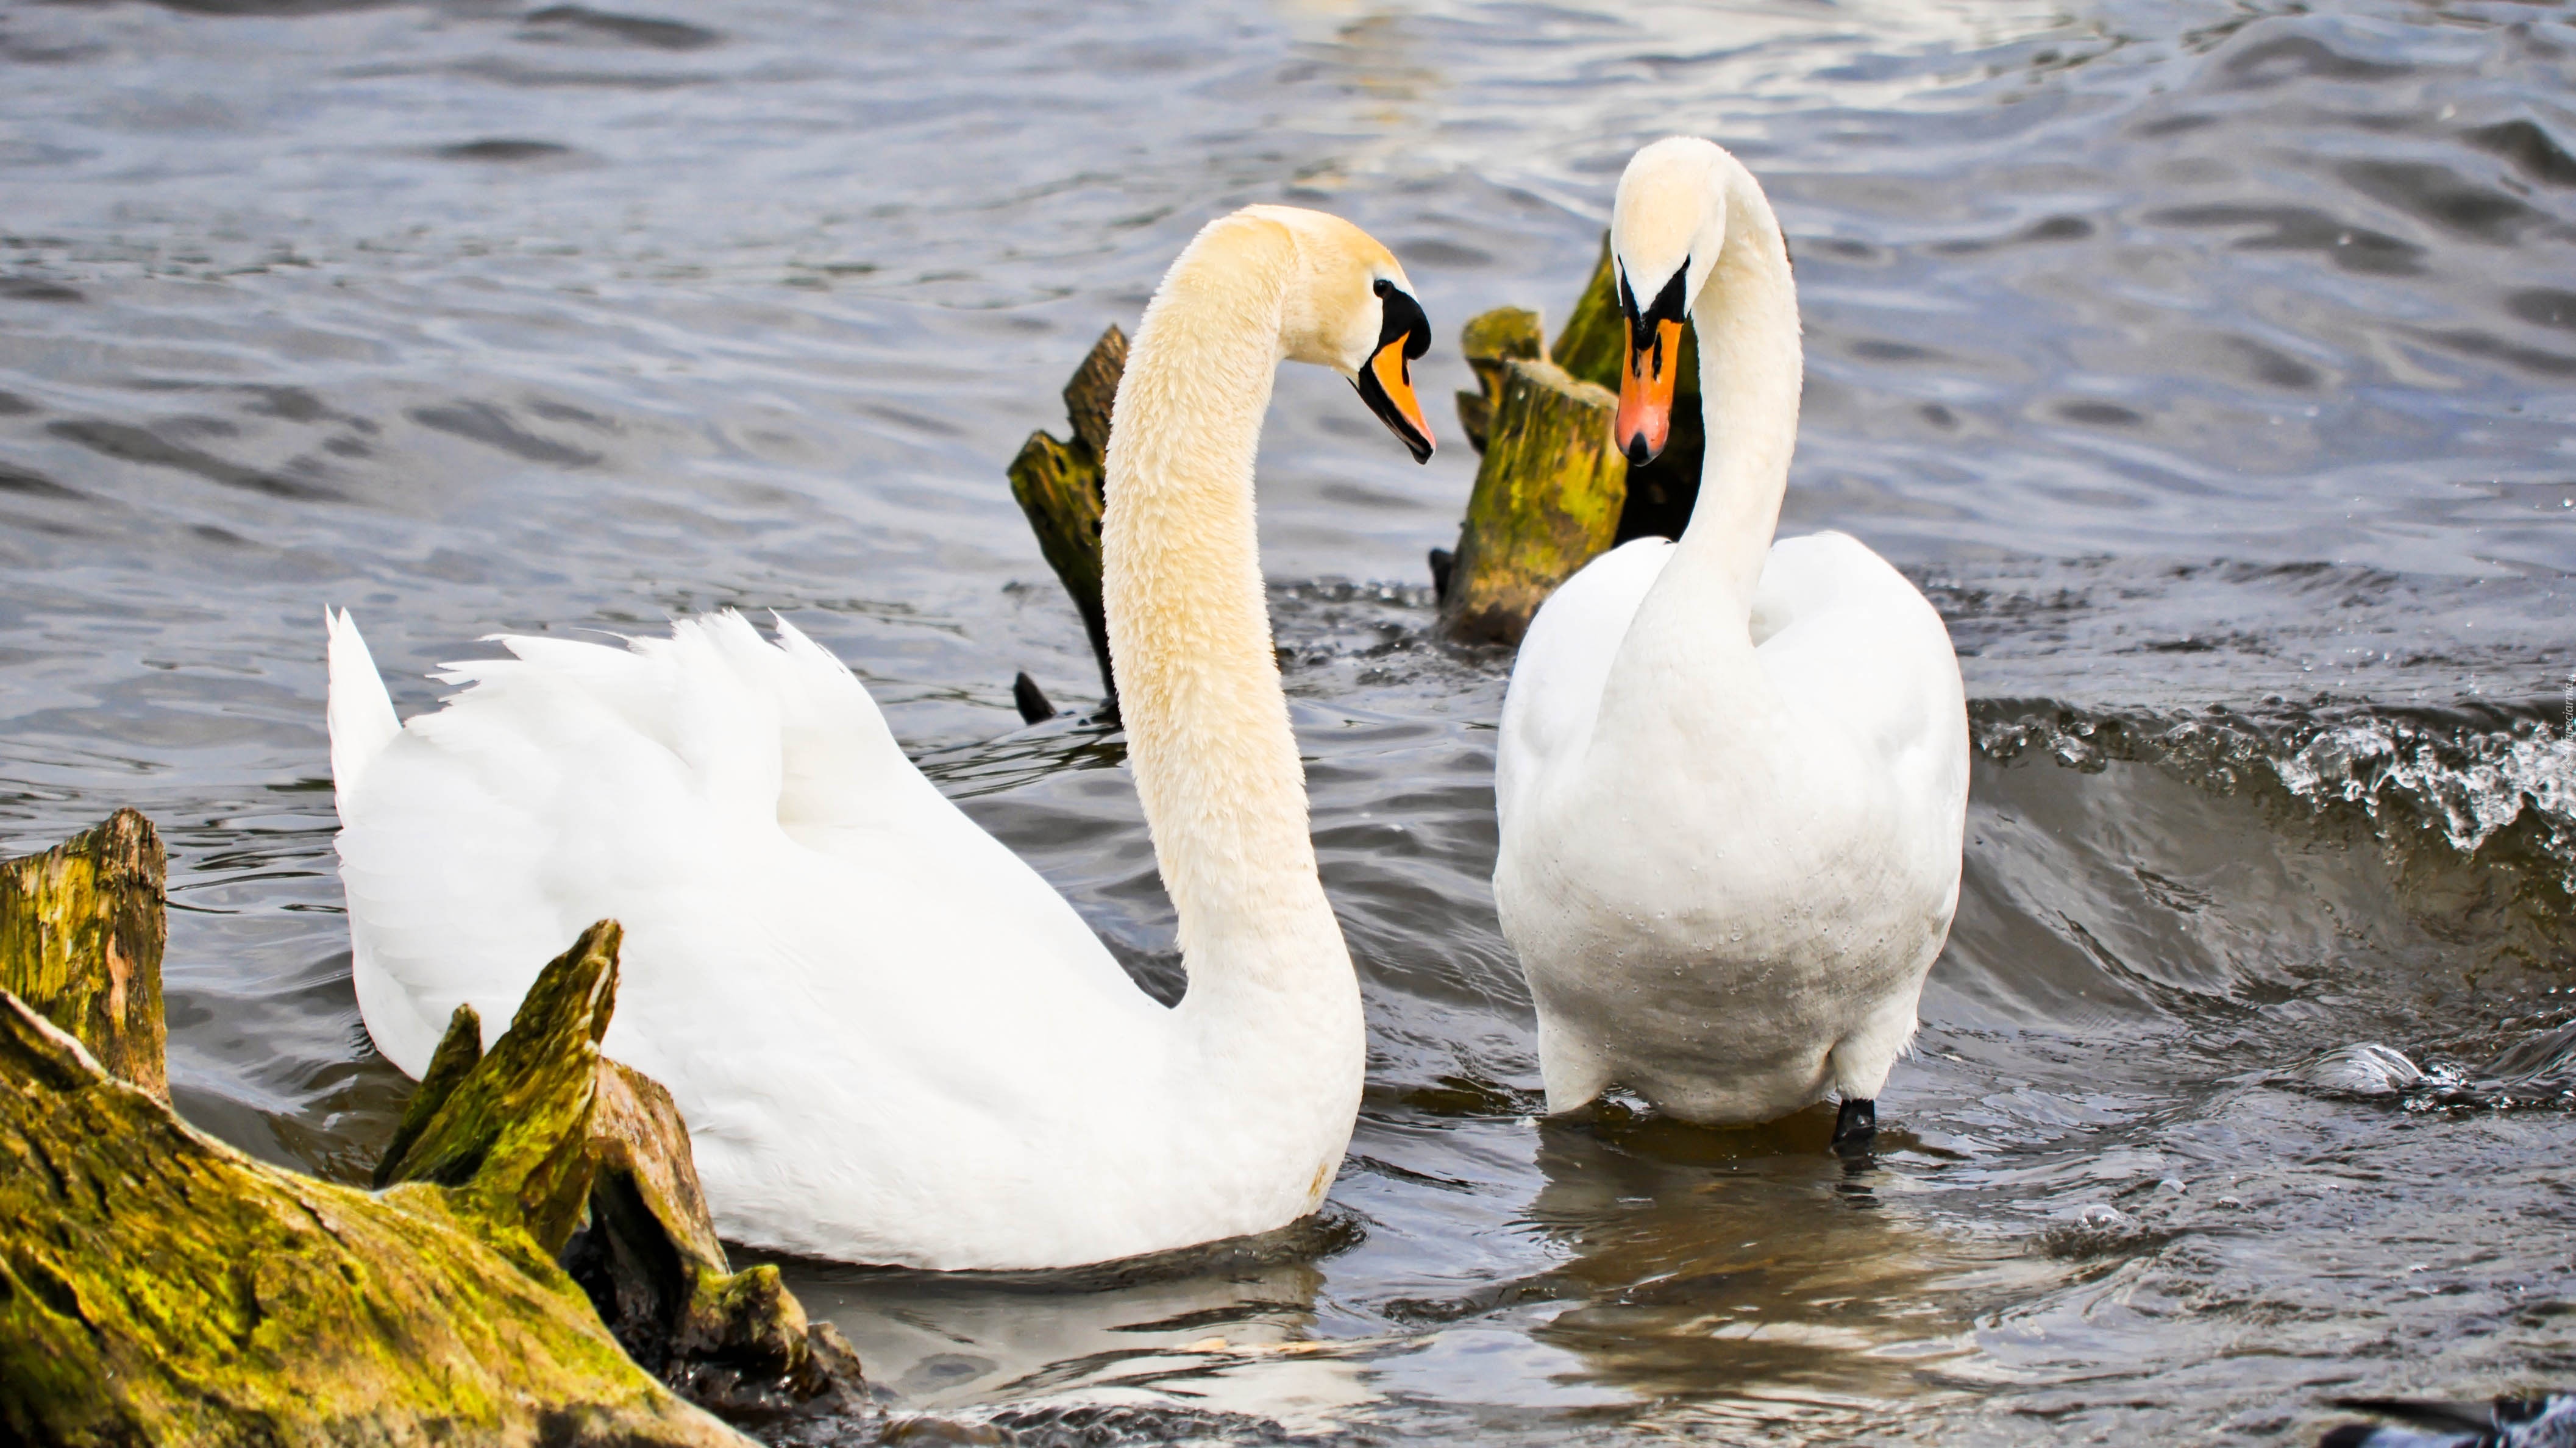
(1727,876)
(891,1039)
(1733,773)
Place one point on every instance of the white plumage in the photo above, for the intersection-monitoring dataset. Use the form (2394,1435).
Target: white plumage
(1732,775)
(892,1041)
(819,946)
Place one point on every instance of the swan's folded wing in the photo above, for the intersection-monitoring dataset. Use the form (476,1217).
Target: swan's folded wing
(745,811)
(1564,661)
(1857,649)
(556,788)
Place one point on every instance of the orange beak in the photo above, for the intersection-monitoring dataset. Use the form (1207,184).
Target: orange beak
(1646,395)
(1387,385)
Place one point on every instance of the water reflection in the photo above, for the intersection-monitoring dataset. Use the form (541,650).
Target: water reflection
(1228,1330)
(1752,1264)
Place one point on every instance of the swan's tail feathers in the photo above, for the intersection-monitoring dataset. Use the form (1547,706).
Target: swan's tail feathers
(360,713)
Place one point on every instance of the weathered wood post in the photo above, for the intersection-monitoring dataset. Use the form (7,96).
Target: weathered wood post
(159,1286)
(81,934)
(1546,500)
(1061,487)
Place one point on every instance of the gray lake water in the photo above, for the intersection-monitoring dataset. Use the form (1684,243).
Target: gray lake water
(2209,363)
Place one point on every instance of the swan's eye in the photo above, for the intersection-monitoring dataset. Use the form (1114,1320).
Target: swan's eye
(1381,286)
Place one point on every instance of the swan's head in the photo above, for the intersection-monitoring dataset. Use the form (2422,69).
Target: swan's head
(1666,228)
(1350,308)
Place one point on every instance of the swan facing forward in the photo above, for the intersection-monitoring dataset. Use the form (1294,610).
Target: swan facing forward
(892,1040)
(1732,776)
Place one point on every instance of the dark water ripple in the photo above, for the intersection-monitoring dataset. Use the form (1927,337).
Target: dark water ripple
(2207,363)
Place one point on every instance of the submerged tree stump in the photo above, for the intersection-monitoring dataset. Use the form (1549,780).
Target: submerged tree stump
(590,1159)
(510,1137)
(1546,500)
(737,1342)
(1488,341)
(81,933)
(1062,487)
(159,1286)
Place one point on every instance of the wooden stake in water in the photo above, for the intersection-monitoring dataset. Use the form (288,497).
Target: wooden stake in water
(1060,485)
(81,933)
(1547,499)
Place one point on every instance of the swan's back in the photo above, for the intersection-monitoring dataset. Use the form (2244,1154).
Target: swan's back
(809,924)
(1855,648)
(1849,644)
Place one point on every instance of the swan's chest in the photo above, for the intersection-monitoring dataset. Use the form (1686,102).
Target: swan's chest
(1739,882)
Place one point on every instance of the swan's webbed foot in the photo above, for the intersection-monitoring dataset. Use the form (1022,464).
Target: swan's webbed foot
(1855,1125)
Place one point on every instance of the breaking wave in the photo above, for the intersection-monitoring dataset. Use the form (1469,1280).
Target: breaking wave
(2469,781)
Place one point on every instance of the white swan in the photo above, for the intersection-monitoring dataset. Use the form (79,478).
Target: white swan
(1732,776)
(892,1040)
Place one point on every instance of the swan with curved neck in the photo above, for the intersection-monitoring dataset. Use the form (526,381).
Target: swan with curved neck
(1732,774)
(894,1042)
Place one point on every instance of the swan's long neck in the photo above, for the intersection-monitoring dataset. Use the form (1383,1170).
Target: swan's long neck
(1751,369)
(1686,669)
(1189,637)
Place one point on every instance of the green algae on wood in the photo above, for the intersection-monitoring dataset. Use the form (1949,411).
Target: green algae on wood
(1061,486)
(1547,498)
(1488,340)
(457,1053)
(81,934)
(159,1286)
(511,1137)
(549,1146)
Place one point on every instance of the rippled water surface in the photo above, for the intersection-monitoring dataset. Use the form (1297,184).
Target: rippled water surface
(2209,364)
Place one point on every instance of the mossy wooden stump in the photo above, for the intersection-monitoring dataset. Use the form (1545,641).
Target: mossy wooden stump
(1489,340)
(1062,487)
(81,933)
(1552,490)
(1546,500)
(611,1192)
(159,1286)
